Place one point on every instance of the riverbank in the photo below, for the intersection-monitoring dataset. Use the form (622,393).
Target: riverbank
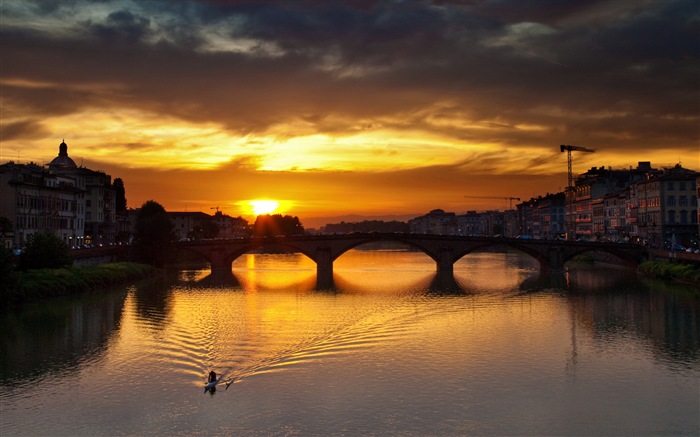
(33,285)
(676,271)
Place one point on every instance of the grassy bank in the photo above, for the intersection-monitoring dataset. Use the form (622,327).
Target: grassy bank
(682,272)
(33,285)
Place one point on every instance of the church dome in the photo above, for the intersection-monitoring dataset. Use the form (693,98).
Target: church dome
(62,161)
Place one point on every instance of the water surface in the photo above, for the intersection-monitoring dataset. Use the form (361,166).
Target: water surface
(592,352)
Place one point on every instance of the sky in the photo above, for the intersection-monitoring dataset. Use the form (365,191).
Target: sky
(336,107)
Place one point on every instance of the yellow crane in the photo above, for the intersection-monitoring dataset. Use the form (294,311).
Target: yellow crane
(509,199)
(571,222)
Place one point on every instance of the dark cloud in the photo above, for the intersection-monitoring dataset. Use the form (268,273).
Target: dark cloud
(624,73)
(22,129)
(120,28)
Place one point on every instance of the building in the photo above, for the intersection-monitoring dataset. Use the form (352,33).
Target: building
(195,225)
(614,220)
(35,200)
(469,224)
(186,223)
(542,217)
(100,207)
(641,204)
(472,223)
(491,223)
(664,207)
(590,190)
(697,202)
(436,222)
(74,203)
(231,227)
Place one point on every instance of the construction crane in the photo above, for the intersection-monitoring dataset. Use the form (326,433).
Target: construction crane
(571,222)
(509,199)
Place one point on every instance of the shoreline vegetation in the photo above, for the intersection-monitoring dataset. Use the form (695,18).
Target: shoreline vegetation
(683,272)
(37,284)
(671,271)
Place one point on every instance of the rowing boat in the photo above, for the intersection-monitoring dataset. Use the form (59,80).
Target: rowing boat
(212,385)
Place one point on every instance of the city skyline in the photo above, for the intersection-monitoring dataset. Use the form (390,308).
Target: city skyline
(348,107)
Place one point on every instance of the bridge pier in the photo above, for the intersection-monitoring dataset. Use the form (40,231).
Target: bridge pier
(554,261)
(443,249)
(444,278)
(217,259)
(445,262)
(324,268)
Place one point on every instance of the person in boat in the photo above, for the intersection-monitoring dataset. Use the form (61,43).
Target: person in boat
(212,376)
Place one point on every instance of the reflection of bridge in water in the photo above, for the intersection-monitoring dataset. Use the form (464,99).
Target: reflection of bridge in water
(443,249)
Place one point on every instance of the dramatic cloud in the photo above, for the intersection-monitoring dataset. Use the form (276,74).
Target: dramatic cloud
(377,90)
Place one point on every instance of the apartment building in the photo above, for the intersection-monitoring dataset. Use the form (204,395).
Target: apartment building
(74,203)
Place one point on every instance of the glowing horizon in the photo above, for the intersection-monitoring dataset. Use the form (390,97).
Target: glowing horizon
(368,108)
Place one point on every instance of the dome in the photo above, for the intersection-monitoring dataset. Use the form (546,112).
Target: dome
(62,160)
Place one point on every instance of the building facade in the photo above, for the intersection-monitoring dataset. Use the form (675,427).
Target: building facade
(542,217)
(74,203)
(665,206)
(645,205)
(436,222)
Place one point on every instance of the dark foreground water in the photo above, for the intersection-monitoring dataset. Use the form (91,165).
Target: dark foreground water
(593,352)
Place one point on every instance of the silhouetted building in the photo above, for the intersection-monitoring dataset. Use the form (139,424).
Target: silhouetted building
(437,222)
(74,203)
(185,223)
(543,217)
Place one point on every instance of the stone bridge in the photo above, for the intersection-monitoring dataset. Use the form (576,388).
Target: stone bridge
(445,250)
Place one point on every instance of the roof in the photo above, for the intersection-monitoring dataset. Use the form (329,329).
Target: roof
(62,161)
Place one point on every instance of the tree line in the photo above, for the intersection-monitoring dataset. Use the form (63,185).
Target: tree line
(366,226)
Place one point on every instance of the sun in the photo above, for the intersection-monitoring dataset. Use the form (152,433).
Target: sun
(264,206)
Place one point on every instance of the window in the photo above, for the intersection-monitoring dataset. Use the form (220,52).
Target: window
(671,217)
(670,185)
(682,201)
(684,217)
(681,186)
(671,201)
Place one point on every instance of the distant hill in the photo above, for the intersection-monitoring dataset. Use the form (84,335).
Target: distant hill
(317,222)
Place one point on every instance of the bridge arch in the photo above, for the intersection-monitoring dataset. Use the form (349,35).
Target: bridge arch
(443,249)
(240,251)
(413,244)
(222,254)
(626,258)
(538,256)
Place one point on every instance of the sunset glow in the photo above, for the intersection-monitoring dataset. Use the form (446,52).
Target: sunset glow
(366,108)
(264,206)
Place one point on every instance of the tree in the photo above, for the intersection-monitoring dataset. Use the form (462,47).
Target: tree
(8,275)
(272,225)
(44,251)
(154,234)
(120,193)
(208,229)
(5,226)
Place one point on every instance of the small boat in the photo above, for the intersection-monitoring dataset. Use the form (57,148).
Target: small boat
(212,385)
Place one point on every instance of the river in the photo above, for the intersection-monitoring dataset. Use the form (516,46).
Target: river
(594,351)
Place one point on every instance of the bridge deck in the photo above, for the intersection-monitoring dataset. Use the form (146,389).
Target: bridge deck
(445,250)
